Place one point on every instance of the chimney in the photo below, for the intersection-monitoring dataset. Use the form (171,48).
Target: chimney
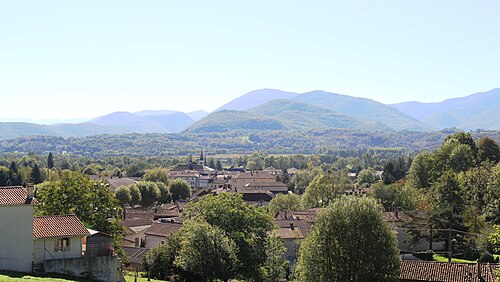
(29,188)
(291,226)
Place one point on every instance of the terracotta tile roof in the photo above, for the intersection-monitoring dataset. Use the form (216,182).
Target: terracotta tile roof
(445,272)
(255,175)
(14,196)
(163,229)
(58,226)
(133,222)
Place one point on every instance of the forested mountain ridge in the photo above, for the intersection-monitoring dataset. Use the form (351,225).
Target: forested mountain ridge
(235,142)
(256,98)
(266,109)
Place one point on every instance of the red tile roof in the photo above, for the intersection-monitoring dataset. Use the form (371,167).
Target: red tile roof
(14,196)
(445,272)
(58,226)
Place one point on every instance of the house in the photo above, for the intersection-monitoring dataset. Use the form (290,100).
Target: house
(239,180)
(136,225)
(273,187)
(190,176)
(159,231)
(402,223)
(16,228)
(116,182)
(51,244)
(57,237)
(414,271)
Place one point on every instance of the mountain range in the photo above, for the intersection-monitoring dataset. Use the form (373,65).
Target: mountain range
(271,109)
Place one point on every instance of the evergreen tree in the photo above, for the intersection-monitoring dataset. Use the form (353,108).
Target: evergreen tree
(36,175)
(218,166)
(50,161)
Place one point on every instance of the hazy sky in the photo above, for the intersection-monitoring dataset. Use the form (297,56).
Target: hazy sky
(68,59)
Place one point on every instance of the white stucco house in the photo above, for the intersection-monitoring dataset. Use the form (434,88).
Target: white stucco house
(27,240)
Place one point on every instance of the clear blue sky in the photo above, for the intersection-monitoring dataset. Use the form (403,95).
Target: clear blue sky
(68,59)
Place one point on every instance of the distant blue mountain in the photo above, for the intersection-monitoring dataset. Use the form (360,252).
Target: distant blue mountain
(476,111)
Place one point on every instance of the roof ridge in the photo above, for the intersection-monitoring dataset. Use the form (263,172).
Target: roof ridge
(55,215)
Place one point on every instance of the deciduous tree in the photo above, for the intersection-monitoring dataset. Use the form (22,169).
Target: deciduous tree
(350,241)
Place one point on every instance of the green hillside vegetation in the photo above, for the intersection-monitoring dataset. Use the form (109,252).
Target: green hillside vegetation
(233,142)
(225,120)
(301,116)
(364,109)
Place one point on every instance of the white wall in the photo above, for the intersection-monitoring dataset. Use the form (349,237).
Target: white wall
(75,249)
(153,241)
(16,238)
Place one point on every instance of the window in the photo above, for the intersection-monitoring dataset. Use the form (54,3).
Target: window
(61,244)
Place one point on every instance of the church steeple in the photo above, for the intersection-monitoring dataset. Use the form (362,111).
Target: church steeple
(201,161)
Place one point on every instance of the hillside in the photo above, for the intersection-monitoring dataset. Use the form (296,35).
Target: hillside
(273,142)
(21,129)
(301,116)
(146,121)
(364,109)
(476,111)
(223,121)
(256,98)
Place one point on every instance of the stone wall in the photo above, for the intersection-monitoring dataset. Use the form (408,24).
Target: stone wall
(96,268)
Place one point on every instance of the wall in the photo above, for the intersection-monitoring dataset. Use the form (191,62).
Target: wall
(75,249)
(16,238)
(405,243)
(96,268)
(153,240)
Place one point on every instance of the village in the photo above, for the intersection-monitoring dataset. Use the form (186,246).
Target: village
(62,244)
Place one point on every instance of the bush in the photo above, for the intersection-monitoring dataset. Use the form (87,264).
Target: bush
(487,257)
(425,255)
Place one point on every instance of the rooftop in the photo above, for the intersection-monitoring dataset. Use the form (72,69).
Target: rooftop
(15,196)
(58,226)
(446,272)
(163,229)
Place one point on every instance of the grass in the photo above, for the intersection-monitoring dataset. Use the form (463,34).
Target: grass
(130,276)
(440,258)
(140,279)
(8,276)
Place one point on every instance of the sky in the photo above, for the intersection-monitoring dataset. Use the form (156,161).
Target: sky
(64,59)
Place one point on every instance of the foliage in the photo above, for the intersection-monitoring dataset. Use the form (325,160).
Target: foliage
(179,189)
(488,150)
(247,226)
(449,203)
(325,188)
(350,241)
(494,238)
(122,194)
(165,196)
(150,193)
(275,267)
(396,196)
(159,262)
(206,252)
(156,175)
(91,201)
(135,195)
(290,202)
(301,179)
(366,176)
(276,142)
